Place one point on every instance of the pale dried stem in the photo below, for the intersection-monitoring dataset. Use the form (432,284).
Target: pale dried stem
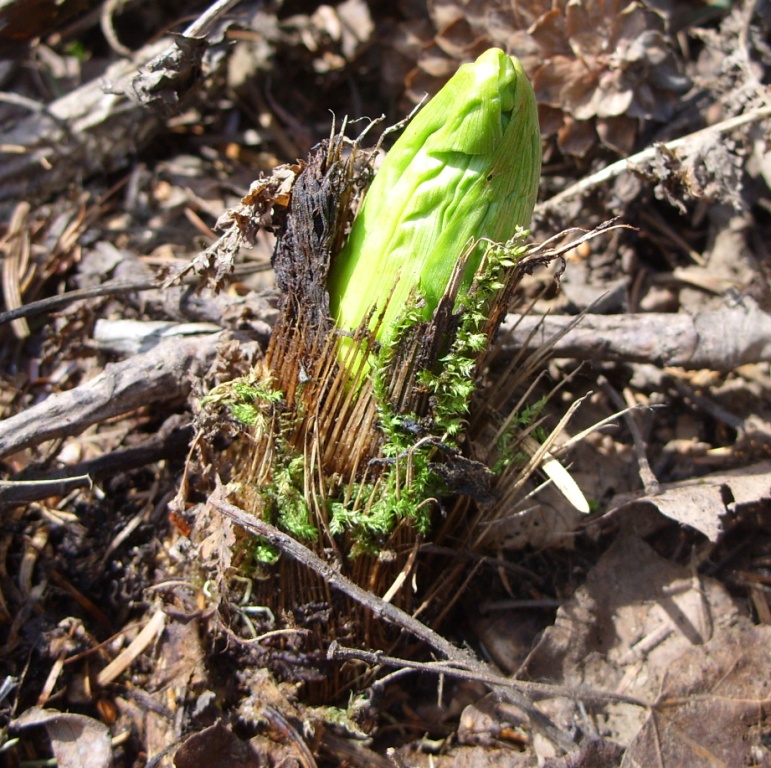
(627,164)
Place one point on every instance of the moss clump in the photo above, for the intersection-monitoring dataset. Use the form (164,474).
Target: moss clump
(250,400)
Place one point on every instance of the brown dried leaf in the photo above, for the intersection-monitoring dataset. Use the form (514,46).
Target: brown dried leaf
(576,137)
(595,753)
(618,133)
(602,60)
(704,503)
(648,628)
(265,206)
(550,82)
(217,548)
(714,707)
(461,41)
(76,740)
(217,747)
(550,33)
(588,26)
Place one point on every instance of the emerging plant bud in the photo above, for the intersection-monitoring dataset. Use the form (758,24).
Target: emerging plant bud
(466,169)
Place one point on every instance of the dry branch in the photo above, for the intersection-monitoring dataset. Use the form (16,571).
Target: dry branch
(33,485)
(99,126)
(162,374)
(718,341)
(388,612)
(85,132)
(628,164)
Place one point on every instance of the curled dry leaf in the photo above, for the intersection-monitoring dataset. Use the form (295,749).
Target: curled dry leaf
(264,206)
(608,62)
(705,503)
(76,740)
(598,68)
(701,169)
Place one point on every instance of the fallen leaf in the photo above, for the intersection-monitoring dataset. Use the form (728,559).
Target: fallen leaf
(76,740)
(704,503)
(650,629)
(216,747)
(714,707)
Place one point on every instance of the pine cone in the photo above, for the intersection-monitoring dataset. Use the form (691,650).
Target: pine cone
(604,62)
(599,67)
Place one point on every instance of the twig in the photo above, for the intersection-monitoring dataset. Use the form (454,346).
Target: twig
(646,155)
(719,341)
(110,288)
(741,425)
(23,491)
(164,373)
(649,480)
(51,303)
(536,690)
(388,612)
(204,23)
(25,487)
(108,27)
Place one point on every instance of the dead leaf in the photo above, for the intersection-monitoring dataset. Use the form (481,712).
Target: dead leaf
(180,666)
(217,747)
(704,503)
(76,740)
(714,707)
(703,168)
(596,753)
(648,628)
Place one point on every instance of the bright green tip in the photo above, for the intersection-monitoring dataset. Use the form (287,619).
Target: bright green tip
(466,168)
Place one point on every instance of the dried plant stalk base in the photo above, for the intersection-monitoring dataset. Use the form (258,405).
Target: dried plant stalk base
(357,450)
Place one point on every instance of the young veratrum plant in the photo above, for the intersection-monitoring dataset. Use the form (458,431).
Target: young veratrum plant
(356,412)
(439,229)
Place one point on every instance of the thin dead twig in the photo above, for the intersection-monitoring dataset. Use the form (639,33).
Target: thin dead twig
(388,612)
(646,155)
(26,486)
(51,303)
(164,373)
(205,22)
(649,480)
(536,690)
(110,288)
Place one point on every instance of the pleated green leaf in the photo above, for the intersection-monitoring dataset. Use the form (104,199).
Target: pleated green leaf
(467,167)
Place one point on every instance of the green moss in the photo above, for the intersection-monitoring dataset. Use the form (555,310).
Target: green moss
(287,495)
(249,399)
(408,485)
(264,553)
